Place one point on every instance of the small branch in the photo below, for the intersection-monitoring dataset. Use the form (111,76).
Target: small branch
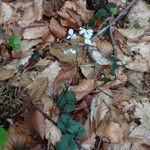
(113,22)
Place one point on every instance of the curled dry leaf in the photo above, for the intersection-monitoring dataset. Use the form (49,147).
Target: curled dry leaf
(111,130)
(83,88)
(6,12)
(139,64)
(35,32)
(38,87)
(57,29)
(6,73)
(87,71)
(76,17)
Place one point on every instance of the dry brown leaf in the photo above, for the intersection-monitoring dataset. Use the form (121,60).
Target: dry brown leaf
(6,73)
(83,88)
(28,17)
(35,32)
(37,88)
(16,138)
(57,29)
(6,12)
(139,64)
(66,23)
(111,130)
(38,8)
(87,71)
(75,16)
(103,46)
(52,132)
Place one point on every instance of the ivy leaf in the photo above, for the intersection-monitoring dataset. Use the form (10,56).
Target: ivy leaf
(76,128)
(36,56)
(112,8)
(3,137)
(63,122)
(14,42)
(101,14)
(91,22)
(69,107)
(66,143)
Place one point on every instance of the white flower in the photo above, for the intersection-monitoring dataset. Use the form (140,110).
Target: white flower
(87,35)
(71,34)
(70,52)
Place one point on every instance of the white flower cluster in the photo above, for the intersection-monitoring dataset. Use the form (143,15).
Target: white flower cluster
(87,33)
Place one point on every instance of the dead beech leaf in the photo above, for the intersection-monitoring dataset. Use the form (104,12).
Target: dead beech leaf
(37,123)
(38,87)
(111,130)
(35,32)
(131,33)
(83,88)
(6,73)
(16,138)
(76,17)
(103,46)
(139,64)
(6,12)
(87,71)
(57,29)
(28,17)
(52,132)
(38,7)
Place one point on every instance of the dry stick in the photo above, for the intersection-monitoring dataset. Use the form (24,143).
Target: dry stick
(113,22)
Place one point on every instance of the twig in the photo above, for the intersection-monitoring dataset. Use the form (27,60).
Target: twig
(49,141)
(113,22)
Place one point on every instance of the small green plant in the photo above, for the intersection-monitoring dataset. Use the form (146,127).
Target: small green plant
(66,101)
(69,127)
(14,41)
(3,137)
(136,25)
(36,56)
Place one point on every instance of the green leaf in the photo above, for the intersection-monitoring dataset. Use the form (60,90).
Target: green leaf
(36,56)
(112,8)
(136,25)
(66,143)
(105,79)
(63,122)
(91,22)
(76,128)
(70,96)
(2,30)
(14,42)
(69,107)
(101,14)
(113,68)
(3,137)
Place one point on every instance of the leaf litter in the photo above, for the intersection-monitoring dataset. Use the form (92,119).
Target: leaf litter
(74,75)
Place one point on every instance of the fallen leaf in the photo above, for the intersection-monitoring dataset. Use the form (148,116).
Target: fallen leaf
(83,88)
(139,64)
(87,71)
(6,13)
(131,33)
(35,32)
(111,130)
(37,88)
(6,73)
(57,29)
(38,7)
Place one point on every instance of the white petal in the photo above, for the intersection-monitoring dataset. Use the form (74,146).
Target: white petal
(70,31)
(82,31)
(87,36)
(68,37)
(70,52)
(87,41)
(74,36)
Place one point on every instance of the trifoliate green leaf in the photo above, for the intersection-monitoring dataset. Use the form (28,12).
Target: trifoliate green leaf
(36,56)
(66,143)
(69,107)
(101,14)
(14,42)
(91,22)
(76,128)
(3,137)
(63,122)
